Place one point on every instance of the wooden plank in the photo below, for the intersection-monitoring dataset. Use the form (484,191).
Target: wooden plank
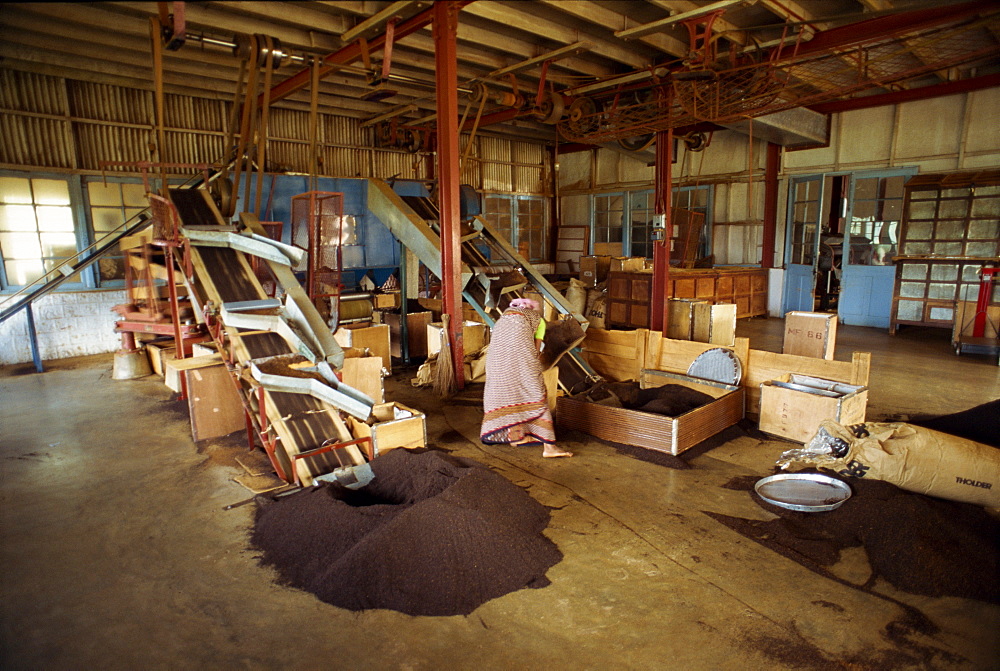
(675,356)
(365,374)
(213,402)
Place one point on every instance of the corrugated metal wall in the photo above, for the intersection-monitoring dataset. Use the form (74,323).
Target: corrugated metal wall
(56,123)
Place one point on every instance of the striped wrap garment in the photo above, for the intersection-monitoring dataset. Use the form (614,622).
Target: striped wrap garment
(514,399)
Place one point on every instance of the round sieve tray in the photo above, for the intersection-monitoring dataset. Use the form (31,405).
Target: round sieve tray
(805,492)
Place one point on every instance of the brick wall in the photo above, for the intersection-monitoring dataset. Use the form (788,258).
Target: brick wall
(67,323)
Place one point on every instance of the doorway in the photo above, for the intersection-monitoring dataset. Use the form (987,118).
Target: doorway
(842,237)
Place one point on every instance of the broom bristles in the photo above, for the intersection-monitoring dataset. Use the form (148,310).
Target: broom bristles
(444,379)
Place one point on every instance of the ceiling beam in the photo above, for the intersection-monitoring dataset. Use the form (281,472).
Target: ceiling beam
(657,26)
(599,14)
(376,22)
(920,93)
(554,55)
(721,26)
(514,17)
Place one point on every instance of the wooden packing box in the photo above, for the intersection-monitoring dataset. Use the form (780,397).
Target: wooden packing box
(794,405)
(594,269)
(374,338)
(416,332)
(714,324)
(394,425)
(680,312)
(474,336)
(810,334)
(389,300)
(158,352)
(672,435)
(364,373)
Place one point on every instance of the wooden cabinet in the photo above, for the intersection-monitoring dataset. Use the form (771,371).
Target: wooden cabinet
(629,293)
(927,289)
(950,229)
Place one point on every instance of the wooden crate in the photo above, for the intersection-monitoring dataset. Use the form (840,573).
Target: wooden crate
(594,269)
(364,373)
(714,324)
(389,431)
(374,338)
(173,368)
(416,332)
(386,301)
(810,334)
(615,355)
(672,435)
(796,413)
(158,353)
(474,336)
(681,317)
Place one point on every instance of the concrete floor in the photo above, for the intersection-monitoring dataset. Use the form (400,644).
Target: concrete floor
(117,554)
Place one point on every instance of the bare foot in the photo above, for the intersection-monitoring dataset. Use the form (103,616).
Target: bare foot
(553,452)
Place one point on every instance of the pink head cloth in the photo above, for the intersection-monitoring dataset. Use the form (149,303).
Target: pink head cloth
(524,303)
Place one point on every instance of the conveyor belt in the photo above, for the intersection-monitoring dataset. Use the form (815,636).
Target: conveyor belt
(302,422)
(413,220)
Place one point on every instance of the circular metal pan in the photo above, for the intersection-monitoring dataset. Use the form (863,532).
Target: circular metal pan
(805,492)
(718,365)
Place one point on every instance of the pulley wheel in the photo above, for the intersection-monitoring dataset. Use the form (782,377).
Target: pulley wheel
(222,193)
(582,115)
(696,141)
(637,143)
(551,110)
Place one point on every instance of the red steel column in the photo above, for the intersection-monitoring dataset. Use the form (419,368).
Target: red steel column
(658,315)
(446,64)
(770,205)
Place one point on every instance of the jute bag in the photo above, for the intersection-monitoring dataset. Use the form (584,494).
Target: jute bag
(911,457)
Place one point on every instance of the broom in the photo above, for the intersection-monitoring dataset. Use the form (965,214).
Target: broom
(444,379)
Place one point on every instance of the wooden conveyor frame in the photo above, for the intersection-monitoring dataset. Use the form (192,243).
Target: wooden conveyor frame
(290,425)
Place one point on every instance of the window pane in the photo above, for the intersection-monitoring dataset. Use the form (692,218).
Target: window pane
(134,195)
(106,218)
(54,218)
(23,272)
(50,191)
(866,189)
(15,190)
(112,268)
(104,194)
(20,245)
(17,218)
(58,245)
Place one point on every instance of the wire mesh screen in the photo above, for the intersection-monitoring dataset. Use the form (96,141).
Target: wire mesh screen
(318,227)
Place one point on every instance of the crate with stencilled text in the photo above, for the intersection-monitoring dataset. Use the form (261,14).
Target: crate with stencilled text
(810,334)
(793,406)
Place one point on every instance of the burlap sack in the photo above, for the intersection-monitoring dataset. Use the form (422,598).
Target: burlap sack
(596,313)
(576,295)
(911,457)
